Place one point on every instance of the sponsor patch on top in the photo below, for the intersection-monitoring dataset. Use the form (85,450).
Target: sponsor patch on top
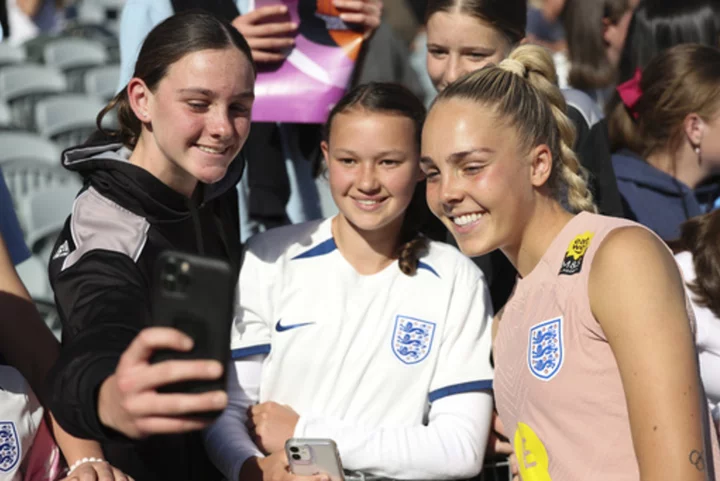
(573,260)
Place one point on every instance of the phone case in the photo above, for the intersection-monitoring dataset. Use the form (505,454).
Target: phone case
(195,295)
(308,457)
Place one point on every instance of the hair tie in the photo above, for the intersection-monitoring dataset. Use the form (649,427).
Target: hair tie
(630,92)
(514,66)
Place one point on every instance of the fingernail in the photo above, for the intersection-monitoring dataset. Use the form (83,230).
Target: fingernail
(293,25)
(187,343)
(220,400)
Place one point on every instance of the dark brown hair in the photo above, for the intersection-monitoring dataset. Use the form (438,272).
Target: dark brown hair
(507,16)
(398,100)
(679,81)
(172,39)
(523,91)
(701,237)
(590,67)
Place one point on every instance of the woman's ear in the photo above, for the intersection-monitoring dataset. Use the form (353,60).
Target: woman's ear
(325,151)
(694,128)
(541,165)
(139,97)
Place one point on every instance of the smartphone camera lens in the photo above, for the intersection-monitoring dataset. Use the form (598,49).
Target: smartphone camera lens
(294,449)
(296,457)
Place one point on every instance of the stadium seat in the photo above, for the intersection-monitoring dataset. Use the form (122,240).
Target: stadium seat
(33,273)
(102,81)
(21,86)
(28,146)
(74,56)
(67,120)
(105,12)
(5,116)
(97,32)
(11,55)
(43,214)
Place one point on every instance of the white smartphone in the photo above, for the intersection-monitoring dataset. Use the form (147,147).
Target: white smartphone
(308,457)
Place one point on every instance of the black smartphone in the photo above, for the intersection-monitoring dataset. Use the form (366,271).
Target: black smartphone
(195,295)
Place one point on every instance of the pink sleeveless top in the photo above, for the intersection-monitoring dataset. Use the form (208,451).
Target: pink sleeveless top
(557,385)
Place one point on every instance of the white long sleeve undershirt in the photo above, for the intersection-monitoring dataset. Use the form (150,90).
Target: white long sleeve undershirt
(451,445)
(227,440)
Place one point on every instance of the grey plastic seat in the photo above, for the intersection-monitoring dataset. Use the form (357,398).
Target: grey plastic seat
(5,116)
(67,120)
(74,56)
(28,146)
(21,86)
(11,55)
(33,273)
(44,212)
(105,12)
(102,81)
(26,178)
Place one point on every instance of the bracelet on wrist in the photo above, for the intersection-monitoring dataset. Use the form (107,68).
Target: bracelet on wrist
(82,461)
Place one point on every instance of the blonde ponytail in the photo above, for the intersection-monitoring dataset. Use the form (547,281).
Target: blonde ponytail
(540,73)
(524,89)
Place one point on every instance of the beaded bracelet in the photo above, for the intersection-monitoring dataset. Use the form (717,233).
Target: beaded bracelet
(77,463)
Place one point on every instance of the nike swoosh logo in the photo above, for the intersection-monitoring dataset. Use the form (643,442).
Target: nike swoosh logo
(280,328)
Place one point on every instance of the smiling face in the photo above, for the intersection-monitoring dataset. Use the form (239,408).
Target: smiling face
(478,178)
(372,162)
(197,119)
(458,44)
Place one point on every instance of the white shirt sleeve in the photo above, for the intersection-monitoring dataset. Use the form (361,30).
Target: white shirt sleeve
(464,360)
(252,329)
(451,446)
(707,332)
(227,440)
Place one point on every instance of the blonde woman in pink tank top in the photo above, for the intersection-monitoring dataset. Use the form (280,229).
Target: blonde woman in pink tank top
(596,369)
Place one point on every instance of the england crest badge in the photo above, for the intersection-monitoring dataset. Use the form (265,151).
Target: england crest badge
(9,446)
(412,339)
(545,349)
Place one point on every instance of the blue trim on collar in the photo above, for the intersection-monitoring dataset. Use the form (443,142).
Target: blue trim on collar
(250,351)
(422,265)
(319,250)
(472,386)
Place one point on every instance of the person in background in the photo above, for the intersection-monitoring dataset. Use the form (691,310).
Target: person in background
(468,35)
(29,18)
(544,27)
(656,26)
(28,346)
(668,135)
(279,187)
(595,32)
(697,252)
(595,363)
(358,328)
(166,182)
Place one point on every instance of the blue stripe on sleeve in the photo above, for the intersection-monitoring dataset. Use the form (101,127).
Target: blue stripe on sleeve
(250,351)
(460,389)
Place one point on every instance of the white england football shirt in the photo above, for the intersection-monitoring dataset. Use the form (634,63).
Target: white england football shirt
(375,349)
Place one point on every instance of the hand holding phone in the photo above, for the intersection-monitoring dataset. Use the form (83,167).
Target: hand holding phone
(128,401)
(309,457)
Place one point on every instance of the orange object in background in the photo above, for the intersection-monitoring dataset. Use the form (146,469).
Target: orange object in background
(348,40)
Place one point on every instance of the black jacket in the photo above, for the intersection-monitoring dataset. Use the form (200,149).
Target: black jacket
(101,273)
